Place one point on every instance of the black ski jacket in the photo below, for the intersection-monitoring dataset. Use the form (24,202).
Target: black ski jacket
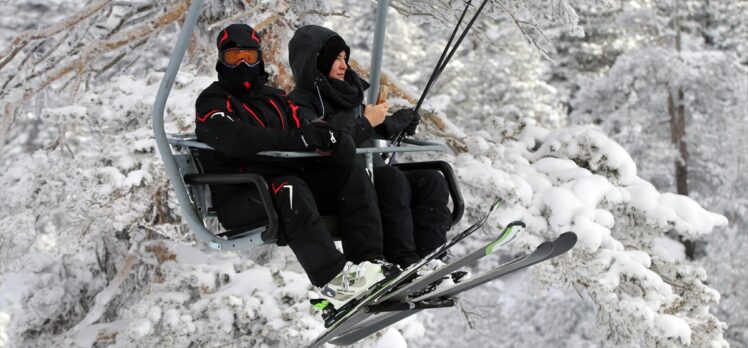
(303,50)
(238,125)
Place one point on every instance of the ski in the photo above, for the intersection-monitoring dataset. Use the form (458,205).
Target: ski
(560,246)
(404,309)
(508,235)
(342,320)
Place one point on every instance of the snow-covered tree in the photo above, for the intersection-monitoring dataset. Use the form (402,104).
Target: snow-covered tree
(87,206)
(628,99)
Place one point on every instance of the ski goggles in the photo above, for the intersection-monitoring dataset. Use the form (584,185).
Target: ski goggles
(232,57)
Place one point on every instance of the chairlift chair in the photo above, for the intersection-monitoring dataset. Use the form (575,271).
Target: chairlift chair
(191,183)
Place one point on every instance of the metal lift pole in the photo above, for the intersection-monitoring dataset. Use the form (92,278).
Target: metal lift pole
(377,49)
(170,165)
(376,65)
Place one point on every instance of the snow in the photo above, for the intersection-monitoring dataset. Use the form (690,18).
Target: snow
(669,249)
(582,143)
(672,326)
(86,216)
(554,190)
(391,339)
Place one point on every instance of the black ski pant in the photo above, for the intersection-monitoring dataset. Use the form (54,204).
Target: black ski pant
(415,215)
(300,199)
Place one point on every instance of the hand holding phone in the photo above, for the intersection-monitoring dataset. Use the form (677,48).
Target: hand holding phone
(383,91)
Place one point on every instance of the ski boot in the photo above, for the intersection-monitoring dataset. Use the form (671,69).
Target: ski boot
(350,285)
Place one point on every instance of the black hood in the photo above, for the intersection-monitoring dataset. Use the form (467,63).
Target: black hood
(241,78)
(303,50)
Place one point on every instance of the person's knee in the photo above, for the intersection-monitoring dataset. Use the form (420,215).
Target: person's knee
(390,177)
(358,169)
(430,181)
(292,196)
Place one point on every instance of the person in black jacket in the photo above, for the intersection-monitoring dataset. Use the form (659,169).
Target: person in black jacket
(413,204)
(239,116)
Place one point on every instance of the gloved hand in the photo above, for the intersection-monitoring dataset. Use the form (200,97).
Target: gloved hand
(345,153)
(411,128)
(402,120)
(320,137)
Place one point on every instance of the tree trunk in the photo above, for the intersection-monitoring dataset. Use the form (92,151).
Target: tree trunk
(677,111)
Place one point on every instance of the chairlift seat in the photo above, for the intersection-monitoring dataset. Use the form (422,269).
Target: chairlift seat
(265,230)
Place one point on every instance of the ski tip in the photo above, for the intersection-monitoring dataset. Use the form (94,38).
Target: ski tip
(516,224)
(568,237)
(496,204)
(544,247)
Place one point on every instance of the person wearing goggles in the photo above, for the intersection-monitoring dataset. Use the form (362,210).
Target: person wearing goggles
(240,115)
(232,57)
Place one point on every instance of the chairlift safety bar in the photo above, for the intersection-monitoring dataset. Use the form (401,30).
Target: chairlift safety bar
(181,140)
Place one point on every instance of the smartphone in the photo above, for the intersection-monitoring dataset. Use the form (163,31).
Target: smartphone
(383,91)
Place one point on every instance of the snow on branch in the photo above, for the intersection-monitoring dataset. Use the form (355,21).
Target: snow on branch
(76,52)
(25,38)
(530,18)
(577,179)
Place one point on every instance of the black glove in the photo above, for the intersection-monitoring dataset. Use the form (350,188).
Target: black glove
(345,152)
(404,120)
(411,128)
(320,137)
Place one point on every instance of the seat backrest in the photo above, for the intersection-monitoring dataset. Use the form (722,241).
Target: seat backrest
(188,163)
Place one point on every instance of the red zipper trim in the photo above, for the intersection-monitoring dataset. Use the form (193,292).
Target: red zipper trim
(283,123)
(253,114)
(293,112)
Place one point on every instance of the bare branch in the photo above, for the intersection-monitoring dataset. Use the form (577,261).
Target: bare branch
(80,60)
(22,40)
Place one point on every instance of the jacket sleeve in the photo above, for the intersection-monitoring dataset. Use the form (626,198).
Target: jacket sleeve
(353,123)
(219,127)
(348,121)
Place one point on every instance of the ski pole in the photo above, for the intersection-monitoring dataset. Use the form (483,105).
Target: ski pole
(440,67)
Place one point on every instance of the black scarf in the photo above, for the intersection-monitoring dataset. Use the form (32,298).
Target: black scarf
(343,95)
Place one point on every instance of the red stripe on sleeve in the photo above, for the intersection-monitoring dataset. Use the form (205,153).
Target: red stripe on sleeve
(253,114)
(228,104)
(280,115)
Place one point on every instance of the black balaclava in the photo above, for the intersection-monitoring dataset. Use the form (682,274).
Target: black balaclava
(241,78)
